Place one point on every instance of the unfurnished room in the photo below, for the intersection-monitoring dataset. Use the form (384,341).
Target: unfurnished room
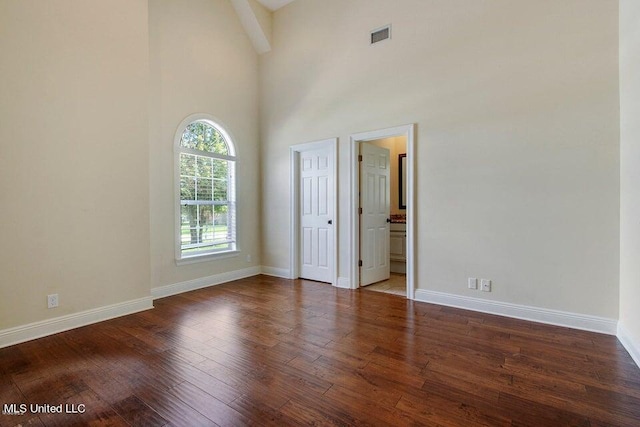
(320,212)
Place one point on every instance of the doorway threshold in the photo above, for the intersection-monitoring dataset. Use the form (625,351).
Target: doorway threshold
(396,285)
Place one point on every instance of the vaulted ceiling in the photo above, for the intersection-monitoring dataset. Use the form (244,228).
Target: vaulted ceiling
(274,5)
(255,16)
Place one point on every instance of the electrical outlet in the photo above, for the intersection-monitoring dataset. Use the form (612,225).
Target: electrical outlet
(473,283)
(485,285)
(52,301)
(249,258)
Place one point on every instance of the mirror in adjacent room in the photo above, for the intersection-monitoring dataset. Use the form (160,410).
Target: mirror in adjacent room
(402,180)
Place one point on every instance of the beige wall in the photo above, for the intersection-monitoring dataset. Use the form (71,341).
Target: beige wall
(396,146)
(201,62)
(630,170)
(74,156)
(516,105)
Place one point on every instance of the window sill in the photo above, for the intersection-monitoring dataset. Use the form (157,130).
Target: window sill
(207,257)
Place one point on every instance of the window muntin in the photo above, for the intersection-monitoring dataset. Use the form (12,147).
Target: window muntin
(207,211)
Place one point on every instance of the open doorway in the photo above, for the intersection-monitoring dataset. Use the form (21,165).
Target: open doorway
(390,239)
(390,196)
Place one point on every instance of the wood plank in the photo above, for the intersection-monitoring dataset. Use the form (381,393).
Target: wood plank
(356,403)
(347,378)
(265,415)
(135,412)
(171,409)
(525,412)
(215,410)
(96,412)
(431,408)
(277,352)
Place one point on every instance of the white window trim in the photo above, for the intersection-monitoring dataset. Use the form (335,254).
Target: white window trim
(177,149)
(208,257)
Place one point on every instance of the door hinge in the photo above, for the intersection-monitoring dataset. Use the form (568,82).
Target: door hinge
(360,211)
(359,157)
(360,263)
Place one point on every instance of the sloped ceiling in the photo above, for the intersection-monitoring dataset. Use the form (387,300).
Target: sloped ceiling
(274,5)
(255,17)
(250,17)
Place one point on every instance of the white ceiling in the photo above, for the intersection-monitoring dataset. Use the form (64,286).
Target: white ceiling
(274,5)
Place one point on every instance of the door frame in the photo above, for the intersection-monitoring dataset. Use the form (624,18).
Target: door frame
(294,254)
(408,131)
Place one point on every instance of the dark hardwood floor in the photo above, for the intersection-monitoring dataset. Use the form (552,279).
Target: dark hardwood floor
(267,351)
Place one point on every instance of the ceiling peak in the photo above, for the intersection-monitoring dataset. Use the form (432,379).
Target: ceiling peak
(274,5)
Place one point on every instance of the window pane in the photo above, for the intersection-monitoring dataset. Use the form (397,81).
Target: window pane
(222,222)
(190,137)
(197,225)
(205,166)
(220,169)
(187,165)
(220,191)
(218,144)
(187,189)
(204,137)
(204,189)
(206,224)
(220,185)
(188,224)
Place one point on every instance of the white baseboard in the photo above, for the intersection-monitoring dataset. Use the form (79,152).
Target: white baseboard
(534,314)
(203,282)
(43,328)
(276,272)
(633,347)
(344,283)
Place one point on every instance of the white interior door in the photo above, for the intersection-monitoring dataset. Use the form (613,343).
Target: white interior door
(376,209)
(316,209)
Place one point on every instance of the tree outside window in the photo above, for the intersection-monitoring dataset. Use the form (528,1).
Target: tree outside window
(207,190)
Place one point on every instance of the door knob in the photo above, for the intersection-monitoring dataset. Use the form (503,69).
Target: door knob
(388,220)
(330,222)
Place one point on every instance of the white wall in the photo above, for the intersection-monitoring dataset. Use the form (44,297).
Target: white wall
(201,62)
(630,174)
(74,156)
(517,110)
(516,104)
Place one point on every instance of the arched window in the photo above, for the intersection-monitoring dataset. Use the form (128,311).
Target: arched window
(205,166)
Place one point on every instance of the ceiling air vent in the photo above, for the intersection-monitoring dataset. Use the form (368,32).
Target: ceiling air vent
(381,34)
